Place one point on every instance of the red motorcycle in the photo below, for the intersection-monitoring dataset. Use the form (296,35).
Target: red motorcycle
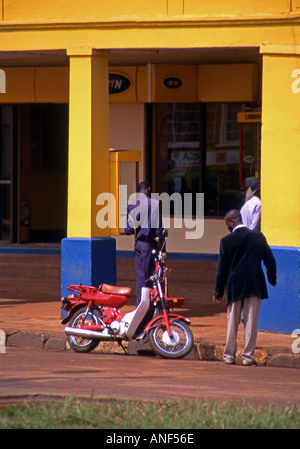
(94,316)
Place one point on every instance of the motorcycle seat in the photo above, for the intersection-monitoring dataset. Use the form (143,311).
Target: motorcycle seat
(113,290)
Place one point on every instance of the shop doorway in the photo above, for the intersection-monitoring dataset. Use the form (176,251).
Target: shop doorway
(8,173)
(43,172)
(33,172)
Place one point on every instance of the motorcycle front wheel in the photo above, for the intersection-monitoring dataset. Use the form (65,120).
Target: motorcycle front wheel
(81,344)
(174,347)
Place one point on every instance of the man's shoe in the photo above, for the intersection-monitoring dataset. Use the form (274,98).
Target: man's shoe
(252,363)
(229,362)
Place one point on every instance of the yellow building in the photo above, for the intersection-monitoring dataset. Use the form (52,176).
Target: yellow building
(179,72)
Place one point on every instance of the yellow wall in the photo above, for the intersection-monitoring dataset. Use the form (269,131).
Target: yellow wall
(35,25)
(280,153)
(154,33)
(271,25)
(56,9)
(240,7)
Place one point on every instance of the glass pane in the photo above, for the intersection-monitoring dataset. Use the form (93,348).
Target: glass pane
(222,189)
(250,161)
(178,148)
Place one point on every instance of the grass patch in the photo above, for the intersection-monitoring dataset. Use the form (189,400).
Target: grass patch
(73,413)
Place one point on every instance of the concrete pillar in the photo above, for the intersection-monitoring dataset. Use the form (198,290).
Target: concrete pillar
(88,252)
(280,184)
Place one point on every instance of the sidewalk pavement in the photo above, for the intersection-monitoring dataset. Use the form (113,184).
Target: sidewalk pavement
(30,312)
(39,325)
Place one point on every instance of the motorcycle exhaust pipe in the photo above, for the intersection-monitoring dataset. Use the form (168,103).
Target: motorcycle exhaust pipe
(84,333)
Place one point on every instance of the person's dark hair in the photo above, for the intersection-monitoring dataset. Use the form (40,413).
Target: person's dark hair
(255,185)
(233,214)
(144,185)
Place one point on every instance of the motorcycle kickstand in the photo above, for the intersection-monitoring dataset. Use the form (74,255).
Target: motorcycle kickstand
(120,343)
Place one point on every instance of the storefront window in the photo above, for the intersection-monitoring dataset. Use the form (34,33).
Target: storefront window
(197,150)
(222,189)
(178,148)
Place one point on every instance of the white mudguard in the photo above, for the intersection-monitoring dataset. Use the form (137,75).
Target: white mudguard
(135,317)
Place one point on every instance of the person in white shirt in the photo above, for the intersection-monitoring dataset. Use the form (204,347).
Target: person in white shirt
(251,211)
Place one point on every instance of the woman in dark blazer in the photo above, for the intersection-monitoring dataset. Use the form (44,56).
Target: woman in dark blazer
(240,271)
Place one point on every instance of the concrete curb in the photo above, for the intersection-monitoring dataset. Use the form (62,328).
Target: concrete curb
(202,350)
(35,339)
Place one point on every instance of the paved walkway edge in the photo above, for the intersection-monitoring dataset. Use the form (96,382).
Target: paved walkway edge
(202,349)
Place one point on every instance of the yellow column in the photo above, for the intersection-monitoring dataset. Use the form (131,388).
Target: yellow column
(280,185)
(88,140)
(280,153)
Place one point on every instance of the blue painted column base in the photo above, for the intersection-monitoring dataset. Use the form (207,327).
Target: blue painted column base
(281,312)
(87,261)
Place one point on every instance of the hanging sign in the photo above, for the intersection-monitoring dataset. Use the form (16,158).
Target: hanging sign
(118,83)
(172,82)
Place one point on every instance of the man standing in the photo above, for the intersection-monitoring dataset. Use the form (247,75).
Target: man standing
(251,210)
(144,220)
(240,270)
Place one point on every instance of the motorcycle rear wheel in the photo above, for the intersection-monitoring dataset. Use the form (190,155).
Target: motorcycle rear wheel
(177,346)
(81,344)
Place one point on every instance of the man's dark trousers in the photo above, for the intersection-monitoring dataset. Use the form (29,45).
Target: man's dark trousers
(144,264)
